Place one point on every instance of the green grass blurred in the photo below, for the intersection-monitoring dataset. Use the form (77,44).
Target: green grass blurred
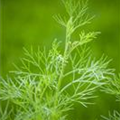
(27,23)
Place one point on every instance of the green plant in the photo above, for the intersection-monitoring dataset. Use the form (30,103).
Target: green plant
(115,116)
(49,83)
(4,114)
(113,88)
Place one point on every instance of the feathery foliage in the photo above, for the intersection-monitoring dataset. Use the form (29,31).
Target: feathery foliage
(47,84)
(113,87)
(5,114)
(114,116)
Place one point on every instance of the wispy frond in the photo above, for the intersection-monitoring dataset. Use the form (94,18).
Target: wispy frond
(114,116)
(113,87)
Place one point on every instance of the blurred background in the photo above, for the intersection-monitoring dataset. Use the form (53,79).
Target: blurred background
(26,23)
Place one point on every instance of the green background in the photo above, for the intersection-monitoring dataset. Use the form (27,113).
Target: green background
(26,23)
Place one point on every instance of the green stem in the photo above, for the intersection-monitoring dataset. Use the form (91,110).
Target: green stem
(68,36)
(65,58)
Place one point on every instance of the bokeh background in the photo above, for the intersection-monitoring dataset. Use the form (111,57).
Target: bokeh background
(26,23)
